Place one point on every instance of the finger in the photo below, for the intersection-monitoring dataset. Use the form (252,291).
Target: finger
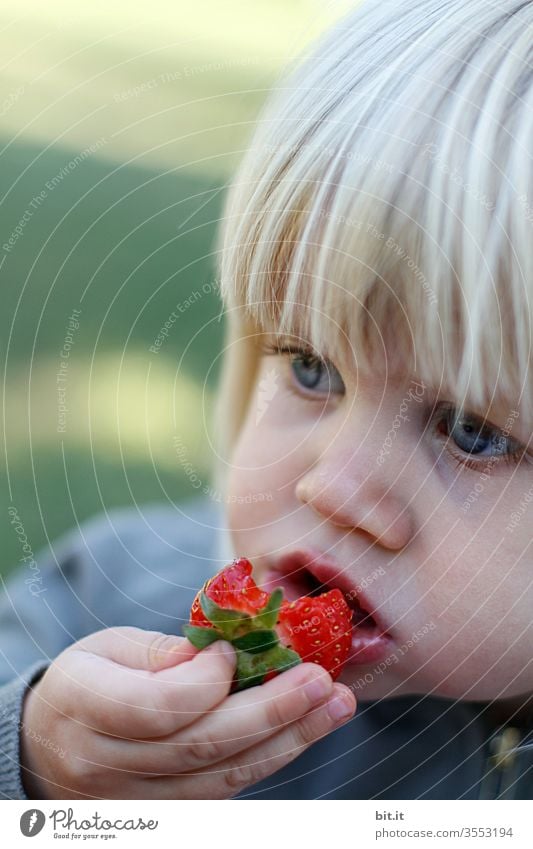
(230,777)
(247,718)
(238,722)
(137,648)
(135,703)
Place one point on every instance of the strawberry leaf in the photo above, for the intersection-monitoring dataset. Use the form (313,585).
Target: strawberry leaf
(281,658)
(227,621)
(252,668)
(256,641)
(268,615)
(201,637)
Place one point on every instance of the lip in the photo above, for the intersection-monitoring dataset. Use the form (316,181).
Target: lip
(369,645)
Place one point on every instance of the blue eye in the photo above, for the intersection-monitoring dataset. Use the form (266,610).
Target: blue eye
(316,375)
(469,435)
(475,437)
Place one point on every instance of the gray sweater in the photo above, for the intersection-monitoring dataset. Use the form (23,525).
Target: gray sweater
(143,568)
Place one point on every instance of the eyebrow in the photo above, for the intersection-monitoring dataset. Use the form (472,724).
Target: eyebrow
(297,339)
(285,341)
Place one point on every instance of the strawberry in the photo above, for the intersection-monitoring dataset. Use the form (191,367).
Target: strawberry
(319,629)
(232,588)
(269,634)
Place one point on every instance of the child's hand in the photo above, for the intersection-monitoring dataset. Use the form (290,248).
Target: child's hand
(143,715)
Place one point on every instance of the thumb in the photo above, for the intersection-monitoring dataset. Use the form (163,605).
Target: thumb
(137,648)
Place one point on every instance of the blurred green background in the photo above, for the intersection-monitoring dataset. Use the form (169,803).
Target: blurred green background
(120,125)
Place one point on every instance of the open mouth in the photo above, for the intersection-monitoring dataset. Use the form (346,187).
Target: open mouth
(372,642)
(303,582)
(361,617)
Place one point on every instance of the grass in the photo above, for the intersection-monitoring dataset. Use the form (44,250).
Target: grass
(113,244)
(118,132)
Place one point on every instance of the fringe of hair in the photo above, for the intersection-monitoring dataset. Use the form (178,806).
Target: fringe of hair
(385,203)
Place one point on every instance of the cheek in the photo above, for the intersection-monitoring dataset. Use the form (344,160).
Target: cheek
(268,456)
(265,466)
(480,600)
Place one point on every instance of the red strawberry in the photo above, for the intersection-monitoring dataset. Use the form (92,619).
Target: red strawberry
(269,635)
(233,589)
(319,629)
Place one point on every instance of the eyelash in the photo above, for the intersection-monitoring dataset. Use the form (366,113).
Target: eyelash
(462,459)
(301,351)
(439,417)
(277,348)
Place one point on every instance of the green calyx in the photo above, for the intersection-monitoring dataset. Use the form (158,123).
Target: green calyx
(253,668)
(253,637)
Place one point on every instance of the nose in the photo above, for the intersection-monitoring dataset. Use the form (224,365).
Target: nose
(355,494)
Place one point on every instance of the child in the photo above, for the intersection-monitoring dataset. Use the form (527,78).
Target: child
(374,419)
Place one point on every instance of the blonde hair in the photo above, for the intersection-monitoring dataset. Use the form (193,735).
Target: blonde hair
(387,190)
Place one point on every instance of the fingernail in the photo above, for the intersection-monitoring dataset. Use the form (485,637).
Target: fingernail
(318,688)
(339,708)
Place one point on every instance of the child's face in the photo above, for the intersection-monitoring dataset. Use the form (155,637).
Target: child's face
(387,493)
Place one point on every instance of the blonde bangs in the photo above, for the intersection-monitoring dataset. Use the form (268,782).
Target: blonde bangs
(383,205)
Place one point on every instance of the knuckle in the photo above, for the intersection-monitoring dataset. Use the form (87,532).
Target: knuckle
(80,771)
(155,651)
(198,753)
(88,778)
(278,711)
(240,776)
(60,696)
(294,702)
(308,730)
